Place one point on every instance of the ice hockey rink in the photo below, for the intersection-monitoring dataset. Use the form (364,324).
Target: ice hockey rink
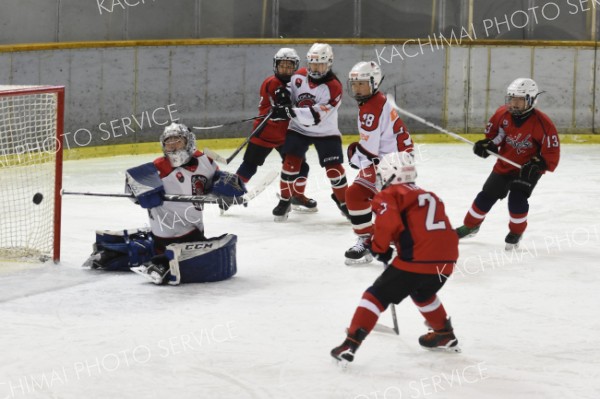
(527,321)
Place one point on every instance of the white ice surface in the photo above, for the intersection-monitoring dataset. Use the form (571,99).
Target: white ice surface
(528,324)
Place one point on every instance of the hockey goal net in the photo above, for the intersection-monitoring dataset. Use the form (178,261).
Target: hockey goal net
(31,131)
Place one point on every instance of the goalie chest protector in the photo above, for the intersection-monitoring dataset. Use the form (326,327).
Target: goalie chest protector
(203,261)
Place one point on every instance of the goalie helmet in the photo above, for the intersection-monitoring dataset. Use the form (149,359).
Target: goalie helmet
(397,168)
(285,54)
(522,88)
(181,154)
(364,72)
(319,60)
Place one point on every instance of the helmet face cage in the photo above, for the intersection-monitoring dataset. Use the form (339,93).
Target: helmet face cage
(285,54)
(397,168)
(364,72)
(522,88)
(182,156)
(319,53)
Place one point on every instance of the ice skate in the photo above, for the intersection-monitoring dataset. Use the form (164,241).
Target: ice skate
(281,211)
(512,241)
(440,340)
(467,232)
(156,272)
(303,204)
(344,353)
(342,207)
(359,252)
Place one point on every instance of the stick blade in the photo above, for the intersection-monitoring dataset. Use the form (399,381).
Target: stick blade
(211,154)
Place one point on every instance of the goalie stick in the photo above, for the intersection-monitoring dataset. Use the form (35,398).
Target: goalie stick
(256,132)
(392,102)
(209,198)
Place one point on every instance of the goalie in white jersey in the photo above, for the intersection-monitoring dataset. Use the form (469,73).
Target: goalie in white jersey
(381,132)
(312,106)
(175,249)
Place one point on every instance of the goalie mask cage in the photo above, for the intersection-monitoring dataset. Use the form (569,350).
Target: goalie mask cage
(31,131)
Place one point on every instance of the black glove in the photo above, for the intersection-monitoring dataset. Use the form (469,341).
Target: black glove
(350,152)
(281,113)
(282,97)
(532,170)
(480,147)
(384,257)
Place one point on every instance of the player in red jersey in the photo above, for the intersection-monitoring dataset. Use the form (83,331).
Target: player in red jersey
(285,64)
(381,132)
(520,132)
(415,221)
(316,95)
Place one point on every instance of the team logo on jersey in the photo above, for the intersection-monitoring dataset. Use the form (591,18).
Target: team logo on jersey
(520,145)
(298,82)
(305,100)
(198,184)
(505,122)
(180,177)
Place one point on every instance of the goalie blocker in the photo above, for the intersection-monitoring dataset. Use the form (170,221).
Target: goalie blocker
(193,262)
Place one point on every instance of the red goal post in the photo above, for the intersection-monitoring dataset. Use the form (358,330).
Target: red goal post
(31,158)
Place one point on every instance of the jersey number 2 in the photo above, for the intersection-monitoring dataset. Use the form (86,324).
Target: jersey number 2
(430,223)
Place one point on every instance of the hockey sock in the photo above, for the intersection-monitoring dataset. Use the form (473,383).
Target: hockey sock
(289,173)
(518,208)
(481,206)
(300,182)
(358,201)
(246,171)
(366,314)
(339,183)
(433,311)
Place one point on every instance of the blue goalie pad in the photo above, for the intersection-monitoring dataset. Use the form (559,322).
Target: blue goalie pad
(203,261)
(145,184)
(119,250)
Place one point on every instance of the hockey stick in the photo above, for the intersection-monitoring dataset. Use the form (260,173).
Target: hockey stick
(227,124)
(254,133)
(441,129)
(209,198)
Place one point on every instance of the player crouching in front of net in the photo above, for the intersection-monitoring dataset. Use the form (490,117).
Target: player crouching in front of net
(525,135)
(381,132)
(415,221)
(174,249)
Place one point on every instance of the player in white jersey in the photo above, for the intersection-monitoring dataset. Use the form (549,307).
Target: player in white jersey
(312,106)
(381,132)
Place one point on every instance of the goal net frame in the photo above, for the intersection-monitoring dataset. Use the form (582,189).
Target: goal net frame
(57,147)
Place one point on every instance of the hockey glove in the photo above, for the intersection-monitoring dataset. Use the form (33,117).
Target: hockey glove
(281,112)
(350,152)
(532,170)
(282,97)
(480,148)
(384,257)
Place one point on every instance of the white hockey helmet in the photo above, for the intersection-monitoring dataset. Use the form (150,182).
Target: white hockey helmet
(285,54)
(397,168)
(181,156)
(364,71)
(523,88)
(319,53)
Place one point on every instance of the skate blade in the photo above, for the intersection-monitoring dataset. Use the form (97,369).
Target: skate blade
(280,219)
(341,363)
(141,270)
(303,209)
(511,247)
(364,260)
(449,349)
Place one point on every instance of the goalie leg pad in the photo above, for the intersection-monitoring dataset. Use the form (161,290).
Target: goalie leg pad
(119,250)
(203,261)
